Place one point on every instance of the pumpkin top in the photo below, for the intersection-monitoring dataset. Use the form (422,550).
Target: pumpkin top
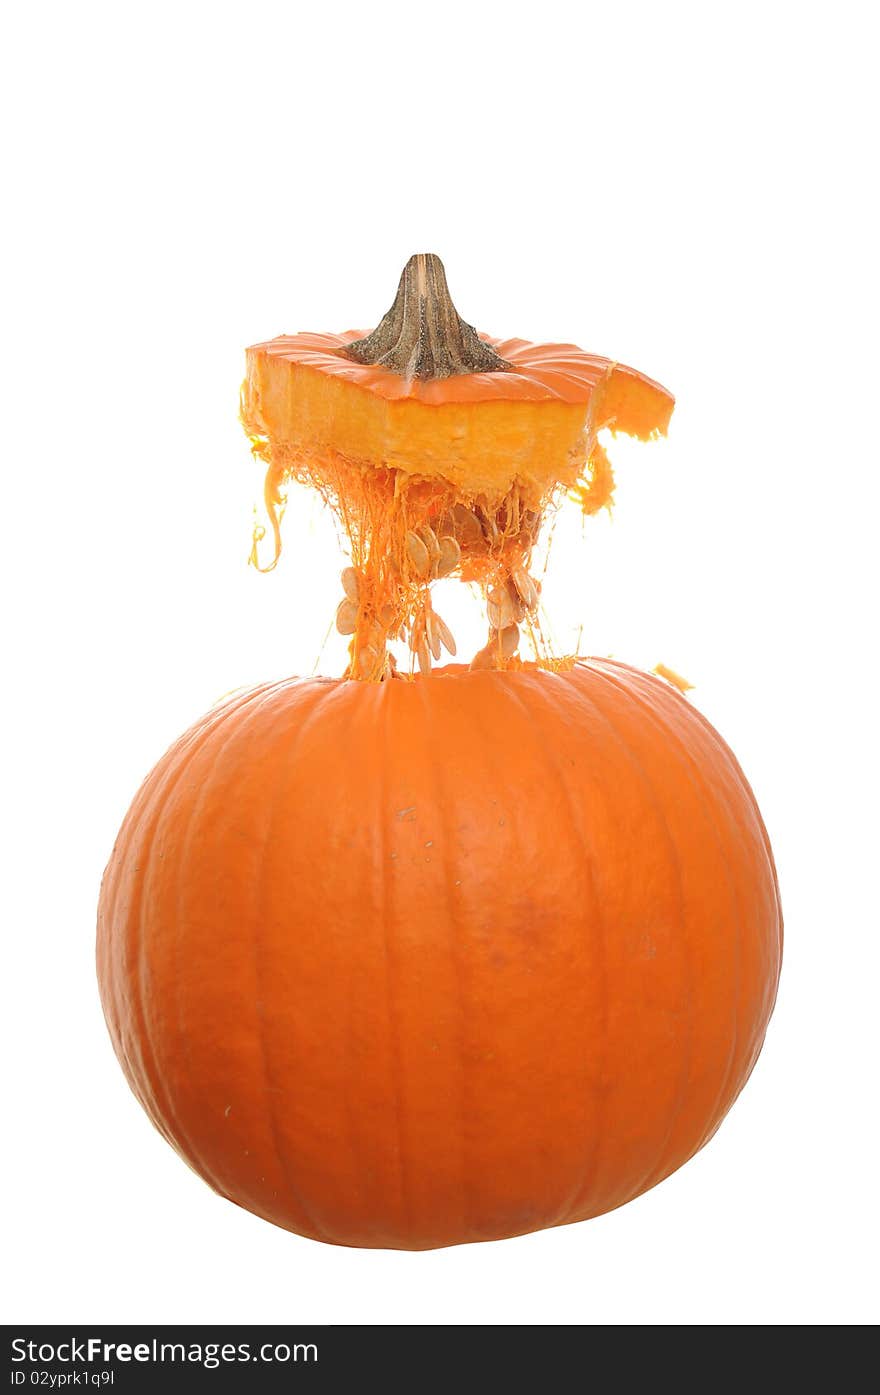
(423,351)
(441,450)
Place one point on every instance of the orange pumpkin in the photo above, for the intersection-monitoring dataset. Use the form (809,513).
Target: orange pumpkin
(451,956)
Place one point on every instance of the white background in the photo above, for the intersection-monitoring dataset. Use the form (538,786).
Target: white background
(679,186)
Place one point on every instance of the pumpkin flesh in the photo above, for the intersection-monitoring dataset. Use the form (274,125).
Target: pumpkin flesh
(483,433)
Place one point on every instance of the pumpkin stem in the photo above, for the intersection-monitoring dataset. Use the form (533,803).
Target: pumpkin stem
(423,335)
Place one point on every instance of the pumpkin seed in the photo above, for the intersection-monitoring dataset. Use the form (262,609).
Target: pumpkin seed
(468,528)
(500,607)
(346,617)
(429,538)
(418,554)
(431,634)
(519,610)
(446,636)
(525,586)
(351,584)
(509,639)
(450,556)
(368,657)
(423,656)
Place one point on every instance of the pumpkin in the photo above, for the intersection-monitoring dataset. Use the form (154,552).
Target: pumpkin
(427,955)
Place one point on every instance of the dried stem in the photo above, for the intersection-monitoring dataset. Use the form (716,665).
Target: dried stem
(423,336)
